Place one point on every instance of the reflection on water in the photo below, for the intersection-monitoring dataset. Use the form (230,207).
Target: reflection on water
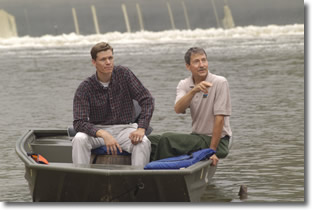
(266,78)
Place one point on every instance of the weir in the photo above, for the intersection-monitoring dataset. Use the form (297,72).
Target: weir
(187,21)
(124,10)
(75,21)
(171,16)
(215,13)
(140,18)
(227,21)
(7,25)
(95,20)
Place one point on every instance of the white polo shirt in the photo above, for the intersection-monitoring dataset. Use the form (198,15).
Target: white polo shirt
(204,108)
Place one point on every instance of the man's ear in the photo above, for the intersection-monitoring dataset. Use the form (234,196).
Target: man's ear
(93,62)
(187,67)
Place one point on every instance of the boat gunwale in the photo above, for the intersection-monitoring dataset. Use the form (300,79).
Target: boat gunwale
(30,163)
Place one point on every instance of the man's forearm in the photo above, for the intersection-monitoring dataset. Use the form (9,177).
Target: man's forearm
(217,131)
(102,134)
(184,102)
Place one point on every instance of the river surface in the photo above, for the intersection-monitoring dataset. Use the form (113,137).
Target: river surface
(264,67)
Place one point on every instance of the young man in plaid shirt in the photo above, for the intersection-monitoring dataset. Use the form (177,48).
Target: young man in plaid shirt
(103,111)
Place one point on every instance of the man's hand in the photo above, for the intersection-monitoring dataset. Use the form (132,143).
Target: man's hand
(110,142)
(137,136)
(214,159)
(202,86)
(185,101)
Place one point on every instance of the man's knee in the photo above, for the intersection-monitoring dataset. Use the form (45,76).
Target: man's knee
(222,153)
(145,145)
(80,139)
(223,148)
(146,142)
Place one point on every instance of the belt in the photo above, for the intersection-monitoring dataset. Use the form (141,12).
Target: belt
(226,137)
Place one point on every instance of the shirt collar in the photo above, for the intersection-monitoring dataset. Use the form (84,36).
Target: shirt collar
(192,85)
(95,77)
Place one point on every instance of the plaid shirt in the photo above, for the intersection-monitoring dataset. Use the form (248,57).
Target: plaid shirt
(96,105)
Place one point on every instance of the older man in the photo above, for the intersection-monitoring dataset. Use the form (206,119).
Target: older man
(208,97)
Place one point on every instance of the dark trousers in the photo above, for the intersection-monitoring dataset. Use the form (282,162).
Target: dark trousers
(175,144)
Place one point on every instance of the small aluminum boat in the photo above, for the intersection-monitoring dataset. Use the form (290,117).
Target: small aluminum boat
(111,179)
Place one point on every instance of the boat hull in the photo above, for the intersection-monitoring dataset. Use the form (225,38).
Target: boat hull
(65,182)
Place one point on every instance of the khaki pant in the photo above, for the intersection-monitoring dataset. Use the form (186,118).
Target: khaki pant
(83,144)
(175,144)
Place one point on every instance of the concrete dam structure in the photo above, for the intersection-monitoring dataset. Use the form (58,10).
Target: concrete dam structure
(7,25)
(40,17)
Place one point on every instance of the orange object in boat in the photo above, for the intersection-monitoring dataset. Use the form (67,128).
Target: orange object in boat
(38,158)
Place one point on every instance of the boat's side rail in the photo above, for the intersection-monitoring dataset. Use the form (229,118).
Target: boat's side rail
(23,147)
(121,170)
(55,152)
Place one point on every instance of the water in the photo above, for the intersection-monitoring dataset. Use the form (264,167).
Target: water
(264,67)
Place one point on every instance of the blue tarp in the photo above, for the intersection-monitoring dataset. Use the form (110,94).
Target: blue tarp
(182,161)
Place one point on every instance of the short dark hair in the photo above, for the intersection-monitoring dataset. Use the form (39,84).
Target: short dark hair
(193,50)
(99,47)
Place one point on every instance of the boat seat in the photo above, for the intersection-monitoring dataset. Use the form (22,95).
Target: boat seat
(100,155)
